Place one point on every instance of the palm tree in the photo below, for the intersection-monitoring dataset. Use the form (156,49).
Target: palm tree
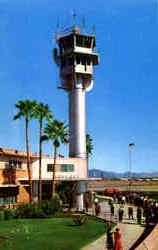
(41,111)
(89,148)
(26,108)
(57,132)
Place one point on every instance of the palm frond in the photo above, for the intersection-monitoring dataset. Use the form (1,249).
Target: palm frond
(44,138)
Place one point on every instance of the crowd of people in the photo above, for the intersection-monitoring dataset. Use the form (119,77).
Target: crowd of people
(146,207)
(146,212)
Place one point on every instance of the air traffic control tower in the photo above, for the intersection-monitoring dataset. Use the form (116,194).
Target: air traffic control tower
(75,57)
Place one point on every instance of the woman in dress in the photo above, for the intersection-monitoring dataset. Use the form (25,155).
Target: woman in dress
(118,243)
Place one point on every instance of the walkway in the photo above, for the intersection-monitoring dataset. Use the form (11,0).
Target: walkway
(129,229)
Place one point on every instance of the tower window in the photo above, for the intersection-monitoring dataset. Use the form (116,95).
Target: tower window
(88,61)
(83,60)
(79,41)
(83,41)
(78,60)
(87,42)
(71,61)
(66,43)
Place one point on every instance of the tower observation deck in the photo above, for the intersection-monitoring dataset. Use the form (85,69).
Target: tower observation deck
(75,57)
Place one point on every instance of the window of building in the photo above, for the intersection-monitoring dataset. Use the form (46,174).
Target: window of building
(14,164)
(49,167)
(67,168)
(61,168)
(7,200)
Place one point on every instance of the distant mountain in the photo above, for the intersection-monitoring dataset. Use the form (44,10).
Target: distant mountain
(96,173)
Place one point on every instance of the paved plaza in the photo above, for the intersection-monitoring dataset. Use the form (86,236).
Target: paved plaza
(130,230)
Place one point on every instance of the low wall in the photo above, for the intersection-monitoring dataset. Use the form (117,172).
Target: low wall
(151,242)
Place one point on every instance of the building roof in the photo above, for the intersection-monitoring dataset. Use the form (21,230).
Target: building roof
(14,152)
(57,179)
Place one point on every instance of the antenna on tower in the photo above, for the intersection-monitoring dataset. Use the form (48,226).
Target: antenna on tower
(57,27)
(74,18)
(57,30)
(93,29)
(83,24)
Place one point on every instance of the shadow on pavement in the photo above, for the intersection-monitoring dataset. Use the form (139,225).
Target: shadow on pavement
(146,232)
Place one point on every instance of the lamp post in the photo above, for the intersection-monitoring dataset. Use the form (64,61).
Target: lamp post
(130,146)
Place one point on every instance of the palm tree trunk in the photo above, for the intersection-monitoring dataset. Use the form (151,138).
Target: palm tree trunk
(54,171)
(40,163)
(28,160)
(87,163)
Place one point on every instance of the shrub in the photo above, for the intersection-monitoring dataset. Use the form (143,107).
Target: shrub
(79,219)
(9,213)
(52,206)
(63,215)
(30,210)
(1,215)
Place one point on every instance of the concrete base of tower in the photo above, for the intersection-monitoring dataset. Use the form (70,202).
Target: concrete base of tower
(81,189)
(79,202)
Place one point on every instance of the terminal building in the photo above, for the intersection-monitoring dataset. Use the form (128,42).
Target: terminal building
(14,183)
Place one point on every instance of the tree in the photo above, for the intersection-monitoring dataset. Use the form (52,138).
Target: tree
(57,132)
(89,148)
(41,111)
(26,109)
(67,191)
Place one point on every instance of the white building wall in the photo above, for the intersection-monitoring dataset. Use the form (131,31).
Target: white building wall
(80,169)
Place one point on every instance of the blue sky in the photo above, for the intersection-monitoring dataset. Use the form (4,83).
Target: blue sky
(123,105)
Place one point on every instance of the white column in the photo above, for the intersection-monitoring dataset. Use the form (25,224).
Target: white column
(79,201)
(77,122)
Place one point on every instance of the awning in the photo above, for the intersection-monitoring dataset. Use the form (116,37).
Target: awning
(8,185)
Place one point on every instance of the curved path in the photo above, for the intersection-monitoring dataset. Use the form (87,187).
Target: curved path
(129,229)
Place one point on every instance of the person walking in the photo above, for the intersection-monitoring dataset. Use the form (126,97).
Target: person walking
(86,205)
(139,215)
(121,212)
(130,213)
(98,209)
(148,215)
(109,241)
(112,210)
(118,243)
(96,206)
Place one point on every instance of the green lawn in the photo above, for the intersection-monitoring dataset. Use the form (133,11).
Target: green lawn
(48,234)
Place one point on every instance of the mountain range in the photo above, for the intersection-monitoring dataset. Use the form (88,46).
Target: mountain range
(96,173)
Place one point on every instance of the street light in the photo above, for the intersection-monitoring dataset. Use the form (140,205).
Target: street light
(130,161)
